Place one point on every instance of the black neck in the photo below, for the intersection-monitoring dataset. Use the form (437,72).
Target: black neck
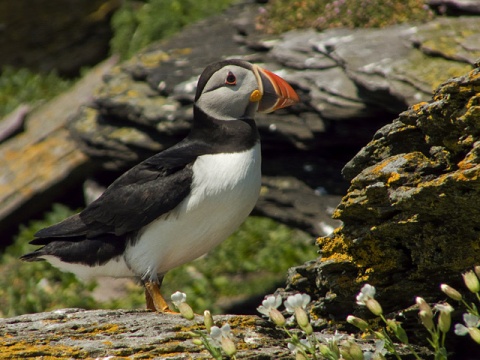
(224,135)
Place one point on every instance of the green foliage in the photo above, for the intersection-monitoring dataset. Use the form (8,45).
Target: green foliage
(19,86)
(252,261)
(135,26)
(34,287)
(284,15)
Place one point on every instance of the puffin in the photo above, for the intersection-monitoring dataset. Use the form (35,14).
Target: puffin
(180,203)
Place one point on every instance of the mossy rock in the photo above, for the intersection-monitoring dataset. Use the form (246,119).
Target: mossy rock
(411,218)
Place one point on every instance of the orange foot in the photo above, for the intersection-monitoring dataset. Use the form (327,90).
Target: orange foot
(155,300)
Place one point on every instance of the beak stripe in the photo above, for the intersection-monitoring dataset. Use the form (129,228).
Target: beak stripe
(277,93)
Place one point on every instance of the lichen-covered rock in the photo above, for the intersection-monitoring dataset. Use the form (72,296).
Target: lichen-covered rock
(137,334)
(411,218)
(80,334)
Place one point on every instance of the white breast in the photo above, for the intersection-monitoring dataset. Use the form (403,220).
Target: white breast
(225,189)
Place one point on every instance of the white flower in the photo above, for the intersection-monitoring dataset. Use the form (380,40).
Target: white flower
(461,330)
(269,308)
(366,292)
(298,301)
(445,318)
(222,337)
(270,303)
(178,298)
(218,334)
(366,297)
(296,304)
(379,349)
(472,321)
(445,308)
(294,348)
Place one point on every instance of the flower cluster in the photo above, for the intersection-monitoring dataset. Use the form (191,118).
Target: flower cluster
(296,305)
(471,318)
(304,344)
(216,339)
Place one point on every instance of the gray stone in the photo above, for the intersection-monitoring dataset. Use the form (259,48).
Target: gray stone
(76,333)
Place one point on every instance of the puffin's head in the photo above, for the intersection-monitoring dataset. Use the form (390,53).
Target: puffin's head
(235,89)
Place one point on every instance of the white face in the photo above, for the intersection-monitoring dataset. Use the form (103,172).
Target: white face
(226,95)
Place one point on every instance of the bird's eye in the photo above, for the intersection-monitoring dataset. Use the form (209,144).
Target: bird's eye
(230,79)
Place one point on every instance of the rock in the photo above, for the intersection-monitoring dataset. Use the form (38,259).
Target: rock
(104,334)
(51,35)
(410,217)
(451,42)
(76,333)
(43,162)
(13,123)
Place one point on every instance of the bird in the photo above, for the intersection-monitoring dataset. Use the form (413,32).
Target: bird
(183,201)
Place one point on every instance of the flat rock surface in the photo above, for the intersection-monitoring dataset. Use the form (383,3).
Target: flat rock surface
(80,334)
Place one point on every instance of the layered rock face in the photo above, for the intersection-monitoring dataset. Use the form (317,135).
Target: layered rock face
(411,219)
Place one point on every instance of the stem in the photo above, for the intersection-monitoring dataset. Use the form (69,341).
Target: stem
(390,343)
(214,351)
(287,332)
(443,339)
(412,350)
(470,309)
(313,345)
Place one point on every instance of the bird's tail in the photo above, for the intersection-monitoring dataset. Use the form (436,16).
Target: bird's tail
(33,256)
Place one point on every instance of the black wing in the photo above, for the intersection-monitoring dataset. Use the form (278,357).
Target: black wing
(145,192)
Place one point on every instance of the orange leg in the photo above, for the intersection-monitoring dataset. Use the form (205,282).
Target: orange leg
(154,298)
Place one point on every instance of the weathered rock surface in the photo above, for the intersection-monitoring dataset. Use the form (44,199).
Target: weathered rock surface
(137,334)
(42,162)
(80,334)
(411,219)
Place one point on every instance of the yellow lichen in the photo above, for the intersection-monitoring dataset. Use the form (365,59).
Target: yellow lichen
(334,248)
(38,348)
(393,178)
(418,106)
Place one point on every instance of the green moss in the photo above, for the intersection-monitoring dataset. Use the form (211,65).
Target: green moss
(135,26)
(284,15)
(19,86)
(34,287)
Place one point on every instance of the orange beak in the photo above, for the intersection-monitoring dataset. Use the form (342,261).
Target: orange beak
(276,93)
